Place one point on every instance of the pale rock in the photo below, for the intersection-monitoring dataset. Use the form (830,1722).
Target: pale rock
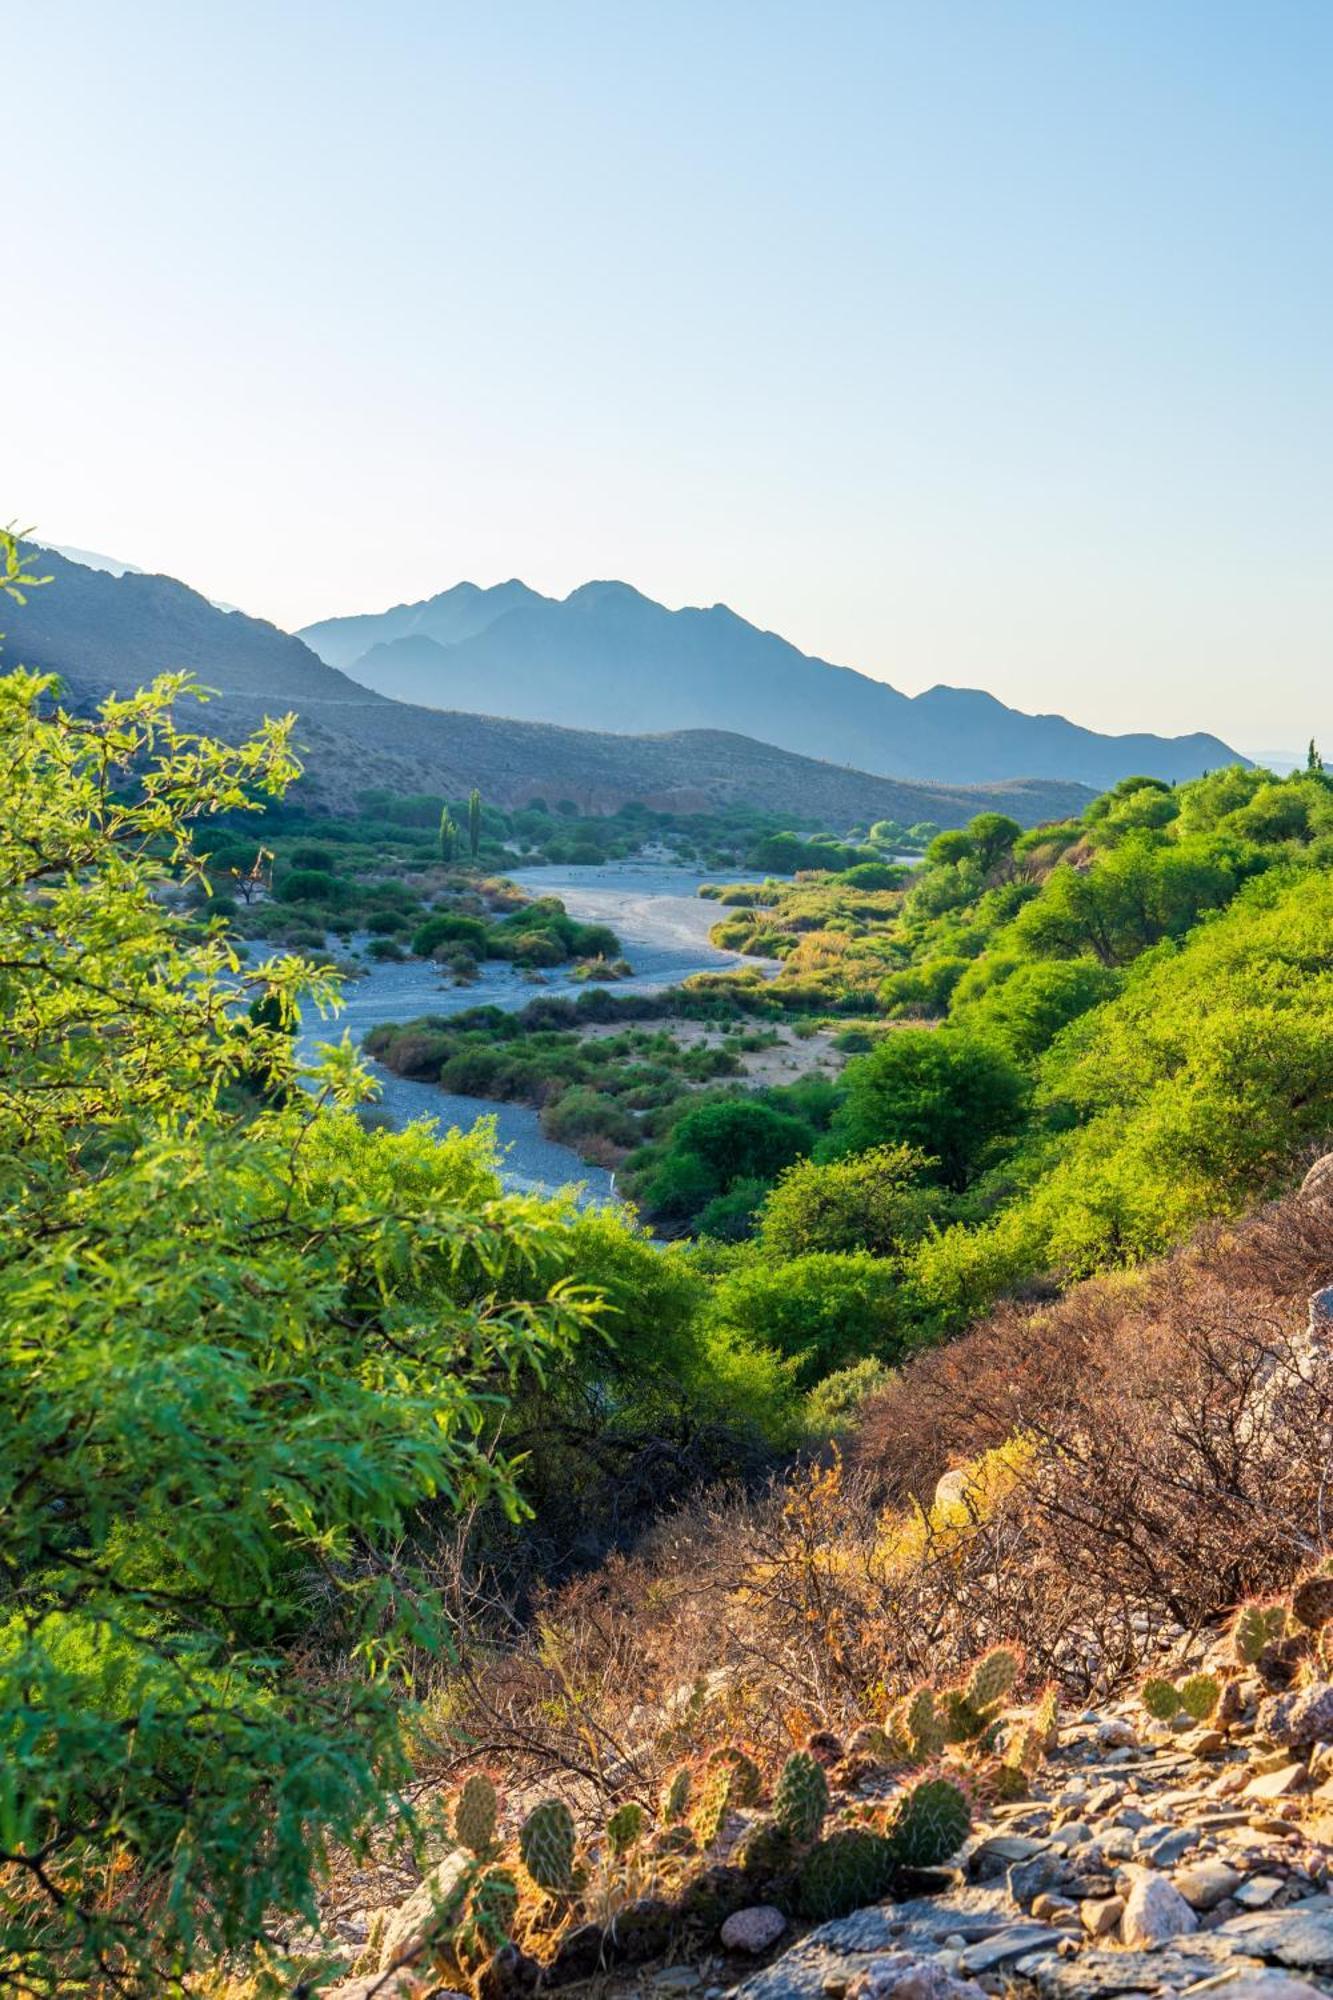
(1258,1892)
(1204,1884)
(415,1922)
(1265,1987)
(753,1930)
(900,1976)
(1154,1911)
(1116,1734)
(1277,1784)
(1101,1914)
(1305,1716)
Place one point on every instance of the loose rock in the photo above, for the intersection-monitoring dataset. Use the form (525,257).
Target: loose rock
(1154,1912)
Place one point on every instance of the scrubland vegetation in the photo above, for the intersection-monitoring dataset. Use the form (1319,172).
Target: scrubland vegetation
(332,1473)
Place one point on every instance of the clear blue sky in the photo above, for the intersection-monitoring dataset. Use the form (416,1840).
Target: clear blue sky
(984,341)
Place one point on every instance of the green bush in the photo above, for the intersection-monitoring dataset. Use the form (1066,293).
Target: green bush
(934,1089)
(821,1312)
(874,1201)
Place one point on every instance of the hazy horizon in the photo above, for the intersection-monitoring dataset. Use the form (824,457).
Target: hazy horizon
(966,345)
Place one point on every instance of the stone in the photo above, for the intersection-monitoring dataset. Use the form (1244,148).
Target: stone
(753,1930)
(1267,1986)
(1013,1942)
(375,1986)
(1102,1914)
(1312,1601)
(1049,1909)
(1277,1784)
(409,1928)
(677,1979)
(1030,1878)
(1318,1182)
(1164,1847)
(1258,1892)
(1154,1911)
(1304,1716)
(1206,1883)
(1300,1936)
(902,1977)
(1116,1734)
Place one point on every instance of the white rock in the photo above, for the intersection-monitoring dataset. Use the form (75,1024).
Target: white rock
(1154,1912)
(413,1922)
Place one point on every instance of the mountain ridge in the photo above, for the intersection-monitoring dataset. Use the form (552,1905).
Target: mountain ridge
(607,655)
(105,634)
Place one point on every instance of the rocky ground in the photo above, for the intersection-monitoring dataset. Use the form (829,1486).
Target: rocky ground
(1146,1859)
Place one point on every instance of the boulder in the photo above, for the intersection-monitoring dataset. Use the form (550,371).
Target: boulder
(1294,1720)
(1154,1912)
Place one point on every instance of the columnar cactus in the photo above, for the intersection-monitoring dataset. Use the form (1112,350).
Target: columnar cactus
(475,1814)
(928,1823)
(546,1842)
(801,1797)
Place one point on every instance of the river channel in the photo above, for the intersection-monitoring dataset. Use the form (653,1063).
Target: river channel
(662,923)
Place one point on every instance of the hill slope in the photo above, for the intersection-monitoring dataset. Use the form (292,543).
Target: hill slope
(105,633)
(607,657)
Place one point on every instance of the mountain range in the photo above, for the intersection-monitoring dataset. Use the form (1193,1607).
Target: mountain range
(105,633)
(608,658)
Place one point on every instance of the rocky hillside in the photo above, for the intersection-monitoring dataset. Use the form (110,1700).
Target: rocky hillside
(606,657)
(105,633)
(1136,1800)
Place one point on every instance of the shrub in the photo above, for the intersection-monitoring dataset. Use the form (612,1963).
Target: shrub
(308,885)
(453,929)
(941,1092)
(874,1201)
(821,1311)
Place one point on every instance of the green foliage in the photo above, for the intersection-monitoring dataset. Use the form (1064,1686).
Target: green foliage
(546,1844)
(1199,1696)
(674,1803)
(474,823)
(243,1343)
(873,1201)
(1161,1698)
(941,1092)
(626,1827)
(821,1312)
(448,836)
(801,1796)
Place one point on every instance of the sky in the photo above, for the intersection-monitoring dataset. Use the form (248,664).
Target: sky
(978,341)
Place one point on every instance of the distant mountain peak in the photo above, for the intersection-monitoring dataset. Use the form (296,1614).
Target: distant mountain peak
(609,657)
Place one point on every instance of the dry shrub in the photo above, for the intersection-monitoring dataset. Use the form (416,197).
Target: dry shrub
(1166,1441)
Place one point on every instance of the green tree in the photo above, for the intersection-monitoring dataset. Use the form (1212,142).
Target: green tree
(1313,761)
(448,836)
(241,1342)
(474,822)
(936,1090)
(993,836)
(820,1312)
(874,1201)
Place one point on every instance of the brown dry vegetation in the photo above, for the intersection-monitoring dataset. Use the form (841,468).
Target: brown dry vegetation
(1160,1447)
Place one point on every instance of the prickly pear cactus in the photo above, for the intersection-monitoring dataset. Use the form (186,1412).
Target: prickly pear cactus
(546,1842)
(962,1722)
(801,1797)
(843,1873)
(991,1679)
(674,1802)
(1256,1626)
(765,1850)
(714,1803)
(928,1823)
(1199,1696)
(1046,1716)
(1161,1698)
(626,1827)
(475,1814)
(746,1780)
(492,1907)
(918,1726)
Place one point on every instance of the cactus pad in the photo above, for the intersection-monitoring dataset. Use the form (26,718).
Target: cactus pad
(546,1843)
(928,1823)
(1312,1601)
(674,1802)
(714,1803)
(801,1797)
(746,1781)
(1160,1698)
(475,1814)
(626,1827)
(492,1908)
(1256,1626)
(843,1873)
(1199,1695)
(765,1850)
(991,1679)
